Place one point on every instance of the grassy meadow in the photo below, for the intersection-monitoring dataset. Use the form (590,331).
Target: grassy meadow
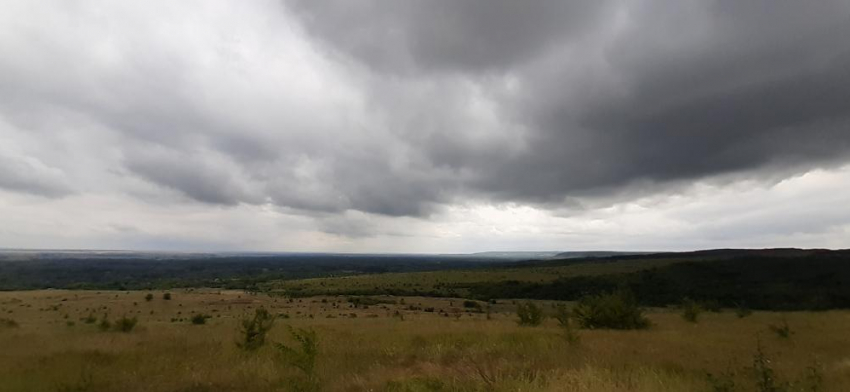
(49,342)
(452,282)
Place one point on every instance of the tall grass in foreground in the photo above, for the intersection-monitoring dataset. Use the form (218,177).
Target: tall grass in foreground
(426,352)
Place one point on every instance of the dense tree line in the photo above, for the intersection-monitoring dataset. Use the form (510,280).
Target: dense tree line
(238,272)
(814,282)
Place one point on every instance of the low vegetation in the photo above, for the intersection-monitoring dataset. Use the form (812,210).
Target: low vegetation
(253,330)
(323,346)
(302,356)
(616,310)
(529,314)
(8,323)
(691,310)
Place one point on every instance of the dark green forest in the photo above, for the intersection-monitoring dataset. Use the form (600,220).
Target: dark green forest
(816,281)
(778,279)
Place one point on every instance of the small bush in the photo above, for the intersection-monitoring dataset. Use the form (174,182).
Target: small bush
(90,319)
(302,357)
(783,330)
(618,310)
(742,311)
(253,330)
(8,323)
(562,314)
(691,310)
(149,297)
(104,324)
(471,305)
(200,319)
(126,324)
(529,314)
(166,296)
(766,378)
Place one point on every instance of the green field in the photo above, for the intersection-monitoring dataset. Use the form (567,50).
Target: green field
(454,282)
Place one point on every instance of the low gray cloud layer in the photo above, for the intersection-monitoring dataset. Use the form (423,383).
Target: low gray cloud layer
(403,108)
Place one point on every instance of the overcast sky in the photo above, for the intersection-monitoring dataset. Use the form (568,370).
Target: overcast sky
(424,126)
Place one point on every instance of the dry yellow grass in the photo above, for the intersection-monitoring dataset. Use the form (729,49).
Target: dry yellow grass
(379,351)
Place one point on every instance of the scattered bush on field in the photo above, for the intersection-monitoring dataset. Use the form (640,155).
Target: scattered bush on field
(742,311)
(149,297)
(104,324)
(166,296)
(126,324)
(617,310)
(691,310)
(253,330)
(302,356)
(563,315)
(365,302)
(200,319)
(8,323)
(783,330)
(529,314)
(765,375)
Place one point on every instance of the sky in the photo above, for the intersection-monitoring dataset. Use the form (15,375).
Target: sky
(436,126)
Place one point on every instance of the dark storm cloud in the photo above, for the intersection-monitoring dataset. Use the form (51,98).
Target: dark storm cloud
(401,107)
(475,35)
(614,93)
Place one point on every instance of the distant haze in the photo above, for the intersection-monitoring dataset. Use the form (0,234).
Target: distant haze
(424,126)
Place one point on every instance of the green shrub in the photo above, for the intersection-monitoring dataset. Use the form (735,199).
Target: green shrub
(302,357)
(126,324)
(529,314)
(149,297)
(471,304)
(253,330)
(8,323)
(104,324)
(90,319)
(562,314)
(691,310)
(742,311)
(200,319)
(766,378)
(618,310)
